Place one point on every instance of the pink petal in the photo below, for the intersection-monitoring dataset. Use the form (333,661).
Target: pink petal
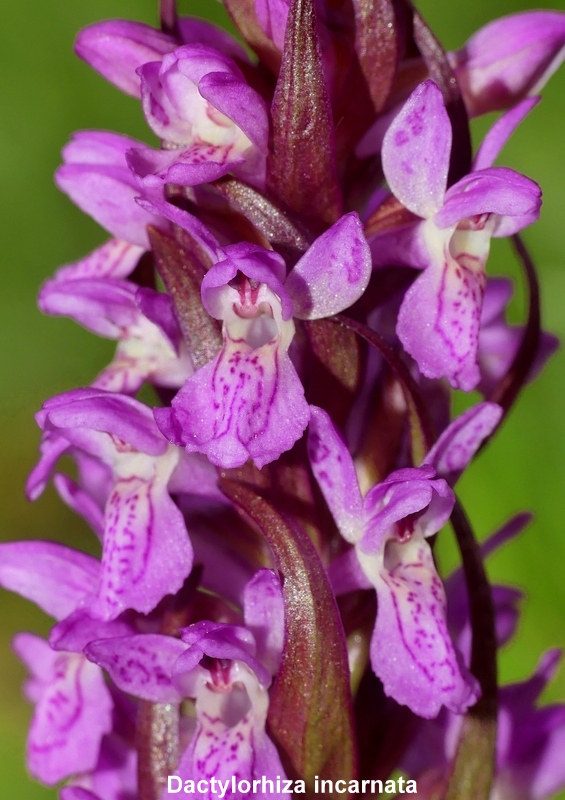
(411,650)
(416,150)
(117,48)
(264,616)
(140,665)
(190,166)
(497,190)
(333,273)
(509,59)
(114,259)
(445,301)
(70,719)
(457,445)
(51,575)
(333,468)
(147,553)
(244,404)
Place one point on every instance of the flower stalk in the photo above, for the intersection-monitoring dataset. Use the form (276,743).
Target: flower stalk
(298,282)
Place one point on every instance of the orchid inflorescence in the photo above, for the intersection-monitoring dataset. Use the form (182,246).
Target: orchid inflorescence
(299,272)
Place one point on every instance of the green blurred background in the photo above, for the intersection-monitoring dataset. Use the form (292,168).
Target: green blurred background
(46,93)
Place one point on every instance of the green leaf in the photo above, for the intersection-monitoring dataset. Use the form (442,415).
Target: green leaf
(182,275)
(275,225)
(243,15)
(332,375)
(421,428)
(377,43)
(472,770)
(310,714)
(441,73)
(301,165)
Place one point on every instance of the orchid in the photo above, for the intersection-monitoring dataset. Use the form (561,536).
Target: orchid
(138,566)
(226,669)
(296,281)
(411,650)
(249,402)
(452,244)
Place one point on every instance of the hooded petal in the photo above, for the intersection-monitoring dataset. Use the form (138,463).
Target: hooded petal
(230,738)
(223,643)
(100,411)
(497,190)
(333,273)
(234,98)
(405,499)
(416,150)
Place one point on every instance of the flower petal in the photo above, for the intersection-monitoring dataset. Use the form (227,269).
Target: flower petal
(104,194)
(416,150)
(333,468)
(117,48)
(156,204)
(246,403)
(333,273)
(234,98)
(140,665)
(458,444)
(445,301)
(77,793)
(272,16)
(147,553)
(114,259)
(76,631)
(497,190)
(263,609)
(70,719)
(104,306)
(97,410)
(411,650)
(509,59)
(410,495)
(500,132)
(194,30)
(198,163)
(51,575)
